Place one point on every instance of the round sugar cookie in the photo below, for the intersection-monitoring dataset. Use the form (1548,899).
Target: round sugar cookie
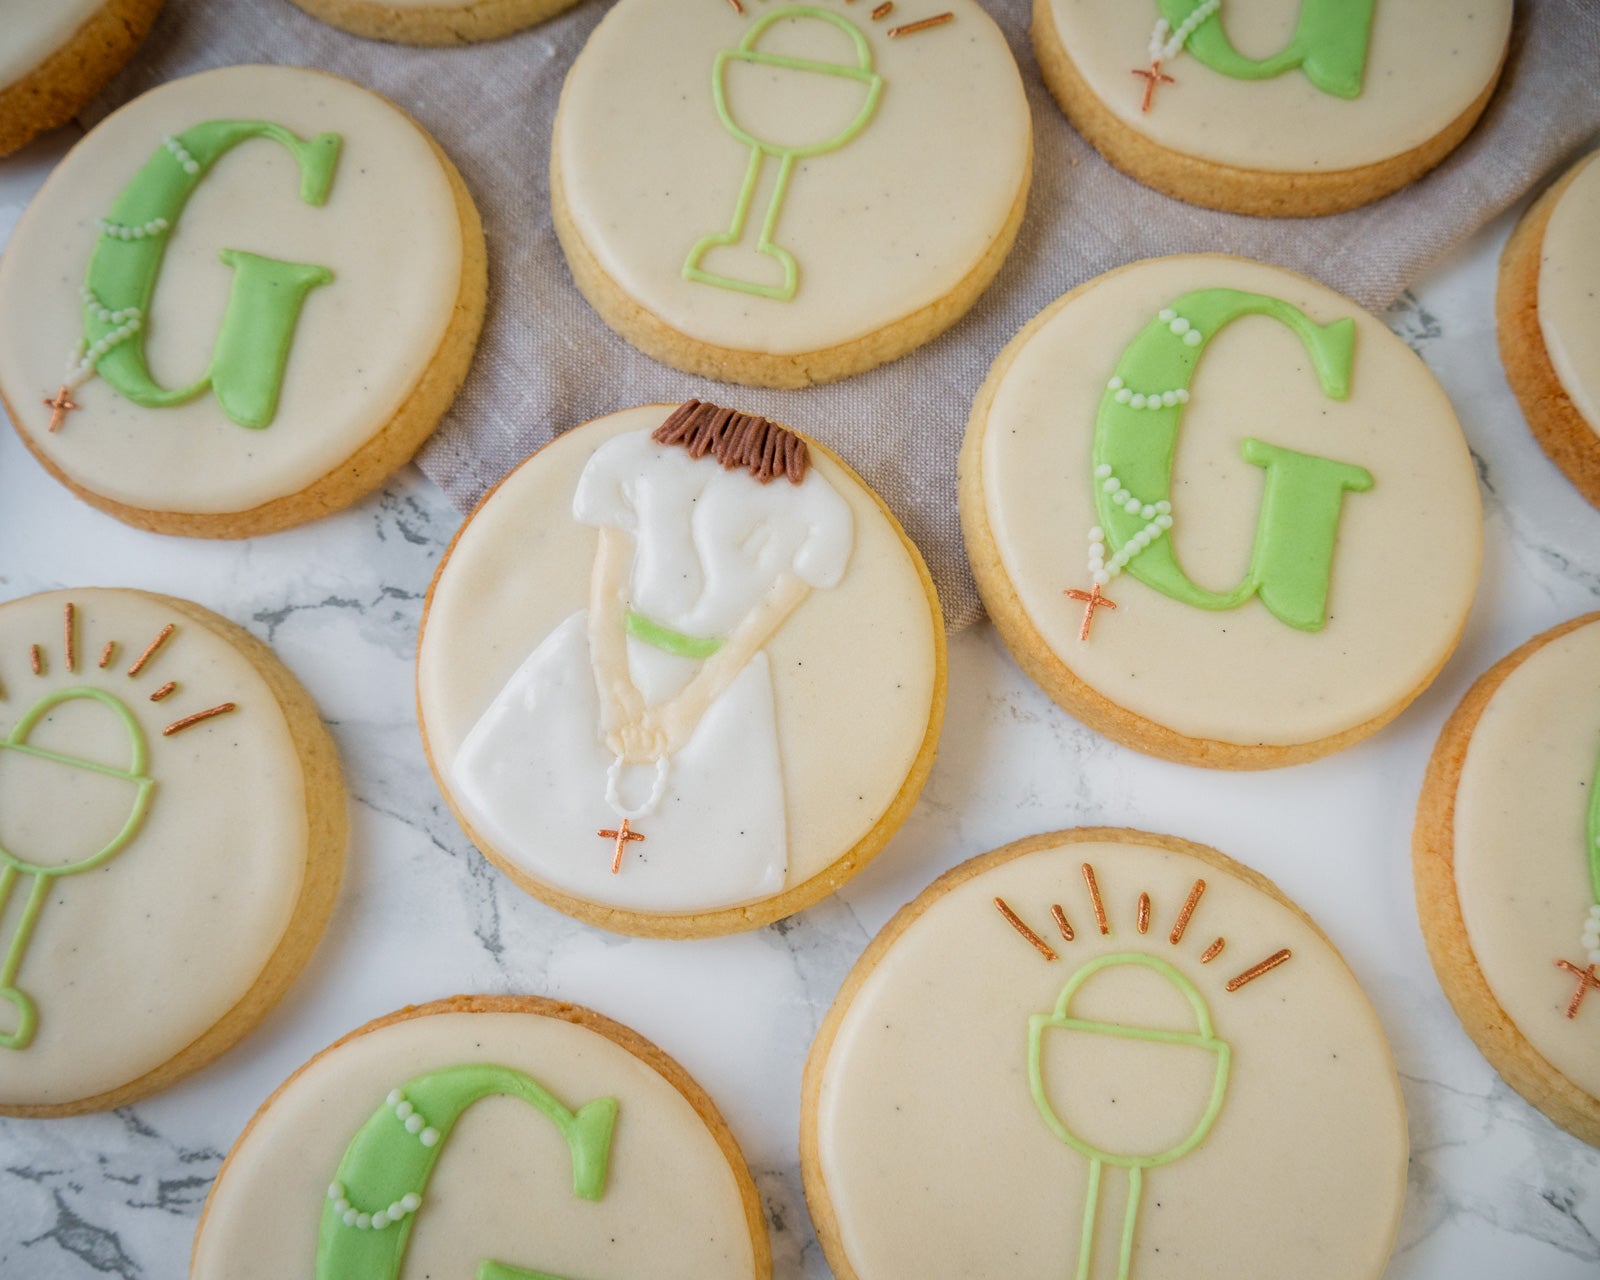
(433,22)
(1219,512)
(681,673)
(1101,1052)
(172,830)
(244,299)
(1506,853)
(782,194)
(57,54)
(1548,313)
(1281,110)
(506,1137)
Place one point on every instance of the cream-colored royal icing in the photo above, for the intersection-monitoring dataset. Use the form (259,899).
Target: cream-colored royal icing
(389,232)
(1569,291)
(846,682)
(1406,558)
(502,1188)
(1521,865)
(1427,61)
(937,1161)
(34,31)
(886,224)
(132,961)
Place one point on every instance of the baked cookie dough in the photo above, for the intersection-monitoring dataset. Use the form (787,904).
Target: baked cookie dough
(172,830)
(781,194)
(244,299)
(435,22)
(1281,110)
(1548,313)
(1507,860)
(1219,512)
(505,1137)
(681,673)
(57,54)
(1103,1053)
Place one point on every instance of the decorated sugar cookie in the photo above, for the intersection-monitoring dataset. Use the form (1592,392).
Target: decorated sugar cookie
(57,54)
(1219,512)
(508,1138)
(172,829)
(1507,859)
(681,673)
(1549,323)
(780,194)
(240,302)
(433,22)
(1274,109)
(1102,1053)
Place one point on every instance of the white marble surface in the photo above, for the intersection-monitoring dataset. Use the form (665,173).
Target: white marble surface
(1495,1189)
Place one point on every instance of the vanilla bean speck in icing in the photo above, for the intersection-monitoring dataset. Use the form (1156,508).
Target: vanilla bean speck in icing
(910,154)
(383,230)
(977,1096)
(666,1200)
(190,836)
(1426,62)
(594,594)
(1569,291)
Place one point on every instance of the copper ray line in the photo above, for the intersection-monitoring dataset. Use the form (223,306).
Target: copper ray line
(1189,905)
(150,649)
(106,653)
(69,629)
(36,659)
(188,722)
(1256,970)
(164,691)
(1213,951)
(911,28)
(1062,922)
(1094,897)
(1017,923)
(1144,913)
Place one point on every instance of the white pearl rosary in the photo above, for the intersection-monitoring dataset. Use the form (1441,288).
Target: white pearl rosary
(1591,933)
(1165,43)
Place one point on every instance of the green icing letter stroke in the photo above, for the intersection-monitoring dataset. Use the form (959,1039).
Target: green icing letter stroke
(871,85)
(1136,437)
(1203,1038)
(1329,44)
(252,348)
(375,1195)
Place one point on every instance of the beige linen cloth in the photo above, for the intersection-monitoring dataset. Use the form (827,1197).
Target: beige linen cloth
(547,363)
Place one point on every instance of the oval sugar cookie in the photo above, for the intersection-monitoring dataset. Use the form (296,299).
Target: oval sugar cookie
(1277,109)
(244,299)
(681,673)
(780,194)
(1549,323)
(1103,1053)
(503,1137)
(172,830)
(1219,512)
(1507,860)
(433,22)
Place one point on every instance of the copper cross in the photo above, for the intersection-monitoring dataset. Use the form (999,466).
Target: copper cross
(1587,978)
(622,836)
(1152,76)
(60,405)
(1092,600)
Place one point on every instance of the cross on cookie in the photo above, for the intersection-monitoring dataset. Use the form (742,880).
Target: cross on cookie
(622,836)
(1092,600)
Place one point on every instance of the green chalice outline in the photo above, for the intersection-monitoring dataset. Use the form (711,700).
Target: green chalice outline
(1039,1023)
(11,865)
(760,150)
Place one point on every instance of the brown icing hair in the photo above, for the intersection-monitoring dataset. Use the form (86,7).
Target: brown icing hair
(759,445)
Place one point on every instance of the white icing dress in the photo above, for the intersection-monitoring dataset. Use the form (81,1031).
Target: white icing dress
(709,544)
